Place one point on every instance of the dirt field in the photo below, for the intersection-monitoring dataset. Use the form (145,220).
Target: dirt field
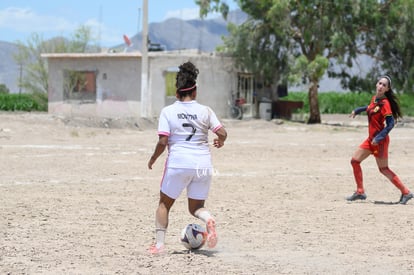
(78,199)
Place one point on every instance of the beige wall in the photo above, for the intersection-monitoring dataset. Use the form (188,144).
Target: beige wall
(118,82)
(216,80)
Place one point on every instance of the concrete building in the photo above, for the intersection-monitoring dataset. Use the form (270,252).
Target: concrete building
(108,85)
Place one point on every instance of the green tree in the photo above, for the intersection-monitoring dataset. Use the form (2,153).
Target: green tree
(34,78)
(259,48)
(391,43)
(4,89)
(317,34)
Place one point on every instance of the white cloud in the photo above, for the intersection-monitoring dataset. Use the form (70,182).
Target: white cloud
(184,14)
(103,34)
(25,20)
(188,14)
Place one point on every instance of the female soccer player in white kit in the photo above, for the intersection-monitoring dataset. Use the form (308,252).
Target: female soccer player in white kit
(183,127)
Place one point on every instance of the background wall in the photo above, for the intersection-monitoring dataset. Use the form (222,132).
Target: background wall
(118,82)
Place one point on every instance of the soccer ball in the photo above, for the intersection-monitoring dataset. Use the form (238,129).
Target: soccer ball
(193,236)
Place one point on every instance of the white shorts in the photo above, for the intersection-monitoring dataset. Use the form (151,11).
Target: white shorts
(197,182)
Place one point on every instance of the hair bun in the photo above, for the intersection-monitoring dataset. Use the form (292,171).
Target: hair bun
(187,76)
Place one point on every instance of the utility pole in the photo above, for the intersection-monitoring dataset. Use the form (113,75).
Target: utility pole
(146,97)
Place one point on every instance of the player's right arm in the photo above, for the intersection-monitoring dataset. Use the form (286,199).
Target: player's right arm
(163,136)
(357,111)
(159,149)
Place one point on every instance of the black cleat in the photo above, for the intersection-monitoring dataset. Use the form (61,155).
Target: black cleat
(357,196)
(405,198)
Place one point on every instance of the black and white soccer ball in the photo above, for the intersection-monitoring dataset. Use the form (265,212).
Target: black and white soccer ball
(193,236)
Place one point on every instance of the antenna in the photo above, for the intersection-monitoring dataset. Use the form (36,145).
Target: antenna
(99,27)
(200,37)
(181,30)
(139,20)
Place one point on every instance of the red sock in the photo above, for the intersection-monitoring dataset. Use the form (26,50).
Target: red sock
(356,165)
(394,179)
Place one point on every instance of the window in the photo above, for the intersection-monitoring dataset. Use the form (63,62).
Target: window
(170,78)
(79,85)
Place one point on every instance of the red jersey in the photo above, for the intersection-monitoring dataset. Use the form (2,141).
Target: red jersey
(377,111)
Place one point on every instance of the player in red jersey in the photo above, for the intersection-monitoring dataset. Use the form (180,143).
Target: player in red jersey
(382,111)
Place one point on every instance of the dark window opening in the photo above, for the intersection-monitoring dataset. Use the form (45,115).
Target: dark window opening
(80,85)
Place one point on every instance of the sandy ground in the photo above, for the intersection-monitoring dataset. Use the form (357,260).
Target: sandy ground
(78,199)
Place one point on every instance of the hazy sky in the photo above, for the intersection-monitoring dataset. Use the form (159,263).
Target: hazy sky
(109,20)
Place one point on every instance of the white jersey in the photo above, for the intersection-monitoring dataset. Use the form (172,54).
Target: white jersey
(186,123)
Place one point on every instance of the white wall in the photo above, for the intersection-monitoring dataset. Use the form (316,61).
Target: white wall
(118,82)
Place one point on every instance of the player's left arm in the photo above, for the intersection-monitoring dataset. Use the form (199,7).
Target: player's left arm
(389,124)
(221,137)
(217,128)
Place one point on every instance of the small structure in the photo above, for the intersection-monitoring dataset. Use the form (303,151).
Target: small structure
(108,85)
(285,108)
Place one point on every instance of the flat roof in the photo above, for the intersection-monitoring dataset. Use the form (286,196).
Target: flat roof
(135,54)
(90,55)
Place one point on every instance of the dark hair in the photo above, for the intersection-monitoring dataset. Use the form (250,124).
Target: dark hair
(392,98)
(186,79)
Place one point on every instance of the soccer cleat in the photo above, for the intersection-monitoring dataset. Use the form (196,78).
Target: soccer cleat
(156,251)
(405,198)
(357,196)
(212,234)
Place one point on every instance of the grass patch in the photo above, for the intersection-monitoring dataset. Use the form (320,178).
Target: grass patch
(24,102)
(344,103)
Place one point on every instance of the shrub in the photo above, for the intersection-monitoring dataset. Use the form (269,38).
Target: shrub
(344,103)
(23,102)
(4,89)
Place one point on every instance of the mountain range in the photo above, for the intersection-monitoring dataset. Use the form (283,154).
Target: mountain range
(176,34)
(171,34)
(9,69)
